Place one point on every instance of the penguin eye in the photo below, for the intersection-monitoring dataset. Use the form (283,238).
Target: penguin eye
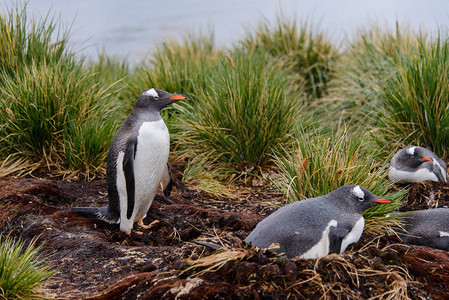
(156,97)
(357,191)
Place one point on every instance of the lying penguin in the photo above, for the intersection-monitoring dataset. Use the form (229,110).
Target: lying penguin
(136,163)
(417,164)
(316,227)
(429,227)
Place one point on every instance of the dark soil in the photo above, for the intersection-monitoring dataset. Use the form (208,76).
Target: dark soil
(96,261)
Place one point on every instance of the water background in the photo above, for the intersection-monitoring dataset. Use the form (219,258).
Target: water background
(132,28)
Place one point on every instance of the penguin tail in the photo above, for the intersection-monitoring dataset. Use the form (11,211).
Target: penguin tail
(101,213)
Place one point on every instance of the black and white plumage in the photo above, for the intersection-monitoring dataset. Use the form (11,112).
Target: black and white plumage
(137,163)
(417,164)
(429,227)
(316,227)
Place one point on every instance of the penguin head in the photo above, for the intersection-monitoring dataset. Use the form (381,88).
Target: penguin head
(412,156)
(156,99)
(355,196)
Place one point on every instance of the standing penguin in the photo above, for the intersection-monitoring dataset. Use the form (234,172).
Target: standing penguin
(417,164)
(429,227)
(316,227)
(136,163)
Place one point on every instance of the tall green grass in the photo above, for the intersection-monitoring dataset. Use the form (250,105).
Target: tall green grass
(24,41)
(305,51)
(22,271)
(56,115)
(54,111)
(320,163)
(244,110)
(109,70)
(373,57)
(417,99)
(174,66)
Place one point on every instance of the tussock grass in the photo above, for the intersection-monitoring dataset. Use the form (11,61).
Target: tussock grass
(109,71)
(320,163)
(363,68)
(417,99)
(51,114)
(22,271)
(175,66)
(24,41)
(302,49)
(200,173)
(54,112)
(243,112)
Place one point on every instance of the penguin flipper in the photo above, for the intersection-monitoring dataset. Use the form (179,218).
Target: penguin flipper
(167,181)
(101,213)
(128,169)
(438,171)
(336,236)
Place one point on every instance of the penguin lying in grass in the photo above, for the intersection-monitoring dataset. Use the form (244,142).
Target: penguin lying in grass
(316,227)
(429,227)
(136,163)
(417,164)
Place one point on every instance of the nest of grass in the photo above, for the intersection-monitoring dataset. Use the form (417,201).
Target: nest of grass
(371,271)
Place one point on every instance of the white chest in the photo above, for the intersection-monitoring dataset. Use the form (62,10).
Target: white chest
(153,146)
(419,175)
(153,136)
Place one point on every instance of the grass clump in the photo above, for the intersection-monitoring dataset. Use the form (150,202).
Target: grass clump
(244,110)
(23,42)
(175,66)
(200,173)
(362,70)
(57,116)
(417,99)
(22,271)
(307,53)
(54,112)
(319,164)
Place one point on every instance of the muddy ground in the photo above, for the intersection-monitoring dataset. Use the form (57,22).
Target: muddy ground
(96,261)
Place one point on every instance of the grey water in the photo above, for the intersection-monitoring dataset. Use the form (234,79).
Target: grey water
(131,29)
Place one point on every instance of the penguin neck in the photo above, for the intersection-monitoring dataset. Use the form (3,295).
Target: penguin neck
(147,115)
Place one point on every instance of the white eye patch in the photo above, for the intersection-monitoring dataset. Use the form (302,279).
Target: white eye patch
(152,92)
(358,192)
(411,150)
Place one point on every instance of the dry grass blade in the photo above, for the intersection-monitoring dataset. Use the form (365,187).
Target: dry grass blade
(11,165)
(215,261)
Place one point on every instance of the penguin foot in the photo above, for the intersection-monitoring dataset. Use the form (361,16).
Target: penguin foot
(140,223)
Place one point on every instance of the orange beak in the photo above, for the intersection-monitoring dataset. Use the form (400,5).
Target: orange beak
(178,98)
(382,201)
(427,159)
